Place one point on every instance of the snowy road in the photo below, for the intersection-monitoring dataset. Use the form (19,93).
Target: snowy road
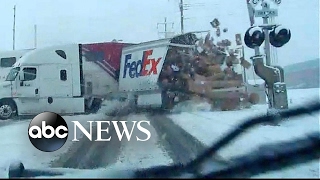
(168,144)
(87,154)
(84,154)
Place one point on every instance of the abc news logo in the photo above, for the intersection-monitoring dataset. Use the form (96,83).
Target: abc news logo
(48,131)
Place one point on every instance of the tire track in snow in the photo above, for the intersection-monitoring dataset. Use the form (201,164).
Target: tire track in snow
(86,154)
(181,145)
(142,154)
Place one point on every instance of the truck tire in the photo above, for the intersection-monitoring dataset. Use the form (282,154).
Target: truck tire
(7,109)
(96,105)
(167,101)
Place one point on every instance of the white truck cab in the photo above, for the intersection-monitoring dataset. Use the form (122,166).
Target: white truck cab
(65,79)
(7,60)
(42,80)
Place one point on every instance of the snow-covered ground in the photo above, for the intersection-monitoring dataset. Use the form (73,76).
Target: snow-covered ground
(198,120)
(210,126)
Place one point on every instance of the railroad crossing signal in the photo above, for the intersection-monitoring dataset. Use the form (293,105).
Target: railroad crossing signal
(254,37)
(279,36)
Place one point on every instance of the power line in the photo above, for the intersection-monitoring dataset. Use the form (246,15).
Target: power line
(35,36)
(166,33)
(186,6)
(181,6)
(14,27)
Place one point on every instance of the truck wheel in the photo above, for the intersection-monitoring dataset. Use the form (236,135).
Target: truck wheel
(96,105)
(169,103)
(7,110)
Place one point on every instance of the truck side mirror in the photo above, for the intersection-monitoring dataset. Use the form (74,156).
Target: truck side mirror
(21,76)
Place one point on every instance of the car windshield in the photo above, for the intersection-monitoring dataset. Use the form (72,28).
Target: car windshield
(140,83)
(13,74)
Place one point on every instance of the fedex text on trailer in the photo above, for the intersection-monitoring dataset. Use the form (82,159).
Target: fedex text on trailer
(135,69)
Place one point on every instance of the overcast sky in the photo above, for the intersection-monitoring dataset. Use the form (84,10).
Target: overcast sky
(76,21)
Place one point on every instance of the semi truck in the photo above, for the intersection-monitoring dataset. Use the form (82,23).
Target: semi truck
(76,78)
(7,60)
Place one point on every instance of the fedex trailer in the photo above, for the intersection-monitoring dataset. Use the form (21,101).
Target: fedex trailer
(141,67)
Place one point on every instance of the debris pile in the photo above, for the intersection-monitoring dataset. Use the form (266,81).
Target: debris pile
(207,67)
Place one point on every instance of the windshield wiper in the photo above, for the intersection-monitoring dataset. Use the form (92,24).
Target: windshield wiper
(271,157)
(266,158)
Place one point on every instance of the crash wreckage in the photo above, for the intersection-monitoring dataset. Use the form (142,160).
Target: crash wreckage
(211,72)
(156,74)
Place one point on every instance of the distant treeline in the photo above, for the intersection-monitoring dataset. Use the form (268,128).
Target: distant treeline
(302,75)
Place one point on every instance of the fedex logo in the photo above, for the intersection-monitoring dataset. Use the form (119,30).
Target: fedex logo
(136,69)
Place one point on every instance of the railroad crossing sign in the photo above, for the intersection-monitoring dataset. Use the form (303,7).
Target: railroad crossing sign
(266,13)
(254,3)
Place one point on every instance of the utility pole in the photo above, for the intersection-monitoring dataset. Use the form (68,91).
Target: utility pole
(35,36)
(181,16)
(14,27)
(166,32)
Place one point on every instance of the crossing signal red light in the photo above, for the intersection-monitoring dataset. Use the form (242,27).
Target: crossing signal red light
(279,36)
(254,37)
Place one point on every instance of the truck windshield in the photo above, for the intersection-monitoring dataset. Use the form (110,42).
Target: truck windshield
(13,74)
